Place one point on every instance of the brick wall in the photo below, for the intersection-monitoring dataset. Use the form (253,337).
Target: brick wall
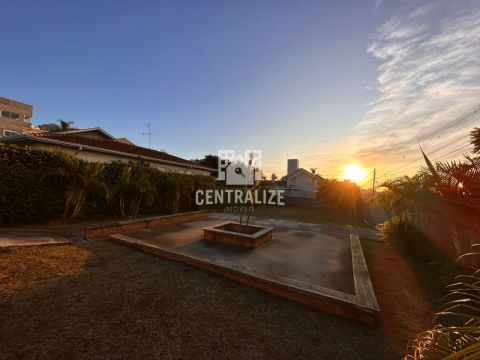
(122,227)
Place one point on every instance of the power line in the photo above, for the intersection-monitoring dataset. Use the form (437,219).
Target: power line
(408,167)
(453,154)
(421,157)
(463,147)
(469,117)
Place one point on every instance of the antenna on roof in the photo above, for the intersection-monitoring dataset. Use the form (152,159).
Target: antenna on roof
(149,133)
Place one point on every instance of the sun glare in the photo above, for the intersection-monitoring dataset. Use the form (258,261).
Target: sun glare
(354,173)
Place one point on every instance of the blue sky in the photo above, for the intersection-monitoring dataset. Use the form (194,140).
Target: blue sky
(315,80)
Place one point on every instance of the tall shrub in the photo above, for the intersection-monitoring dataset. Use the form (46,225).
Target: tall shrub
(23,197)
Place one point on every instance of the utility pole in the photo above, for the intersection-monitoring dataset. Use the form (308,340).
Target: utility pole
(373,185)
(149,133)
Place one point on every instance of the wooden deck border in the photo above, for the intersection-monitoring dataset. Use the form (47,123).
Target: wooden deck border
(328,300)
(363,285)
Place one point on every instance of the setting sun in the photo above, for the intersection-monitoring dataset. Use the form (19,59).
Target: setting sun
(354,173)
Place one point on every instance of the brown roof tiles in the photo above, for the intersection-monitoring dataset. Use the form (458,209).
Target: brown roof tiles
(118,146)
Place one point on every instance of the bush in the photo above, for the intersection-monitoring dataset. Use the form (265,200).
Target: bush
(344,198)
(26,198)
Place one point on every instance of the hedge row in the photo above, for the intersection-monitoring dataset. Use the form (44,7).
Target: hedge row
(27,195)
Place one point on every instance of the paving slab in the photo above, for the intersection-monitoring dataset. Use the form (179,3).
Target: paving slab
(297,251)
(10,238)
(301,255)
(302,261)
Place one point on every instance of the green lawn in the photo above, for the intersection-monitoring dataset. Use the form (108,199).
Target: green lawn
(102,300)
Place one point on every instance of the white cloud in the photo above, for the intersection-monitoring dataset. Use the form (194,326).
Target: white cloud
(378,3)
(429,88)
(428,79)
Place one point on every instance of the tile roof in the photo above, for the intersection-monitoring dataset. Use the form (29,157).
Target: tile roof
(79,131)
(118,146)
(302,170)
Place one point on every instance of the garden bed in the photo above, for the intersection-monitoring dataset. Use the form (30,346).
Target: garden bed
(233,233)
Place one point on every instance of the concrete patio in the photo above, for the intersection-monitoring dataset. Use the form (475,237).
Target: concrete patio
(21,238)
(325,269)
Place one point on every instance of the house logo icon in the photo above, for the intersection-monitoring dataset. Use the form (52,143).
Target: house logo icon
(237,169)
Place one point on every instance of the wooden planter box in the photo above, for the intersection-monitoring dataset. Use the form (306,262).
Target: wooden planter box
(232,233)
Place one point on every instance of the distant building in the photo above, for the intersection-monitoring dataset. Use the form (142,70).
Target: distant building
(15,117)
(300,183)
(95,144)
(92,144)
(292,165)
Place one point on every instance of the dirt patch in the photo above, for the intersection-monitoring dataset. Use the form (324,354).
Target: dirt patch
(242,229)
(406,303)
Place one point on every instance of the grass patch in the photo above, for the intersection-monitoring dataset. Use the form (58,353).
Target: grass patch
(431,267)
(102,300)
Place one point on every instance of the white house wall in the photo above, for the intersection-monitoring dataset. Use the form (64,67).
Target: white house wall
(302,185)
(94,156)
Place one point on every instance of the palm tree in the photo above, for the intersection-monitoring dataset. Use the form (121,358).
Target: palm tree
(475,139)
(403,195)
(459,180)
(61,125)
(456,333)
(182,190)
(64,125)
(134,190)
(122,186)
(81,179)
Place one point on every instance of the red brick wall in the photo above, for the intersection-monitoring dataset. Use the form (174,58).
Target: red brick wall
(138,224)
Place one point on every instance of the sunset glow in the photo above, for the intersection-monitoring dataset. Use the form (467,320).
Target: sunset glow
(354,173)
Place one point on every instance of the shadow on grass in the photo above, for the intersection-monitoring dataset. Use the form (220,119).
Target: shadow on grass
(433,269)
(119,303)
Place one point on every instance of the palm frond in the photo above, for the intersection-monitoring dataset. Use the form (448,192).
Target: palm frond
(456,334)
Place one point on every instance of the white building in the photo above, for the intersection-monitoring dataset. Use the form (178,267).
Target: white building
(300,183)
(96,145)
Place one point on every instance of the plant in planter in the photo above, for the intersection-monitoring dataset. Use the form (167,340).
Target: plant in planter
(253,189)
(241,233)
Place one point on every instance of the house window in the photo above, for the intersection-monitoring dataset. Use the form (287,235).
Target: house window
(9,133)
(10,115)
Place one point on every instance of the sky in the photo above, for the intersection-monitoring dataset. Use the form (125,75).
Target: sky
(330,83)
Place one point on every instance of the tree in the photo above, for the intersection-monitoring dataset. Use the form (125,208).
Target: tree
(61,125)
(344,197)
(210,161)
(475,139)
(80,180)
(64,125)
(49,127)
(402,195)
(456,331)
(458,180)
(132,189)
